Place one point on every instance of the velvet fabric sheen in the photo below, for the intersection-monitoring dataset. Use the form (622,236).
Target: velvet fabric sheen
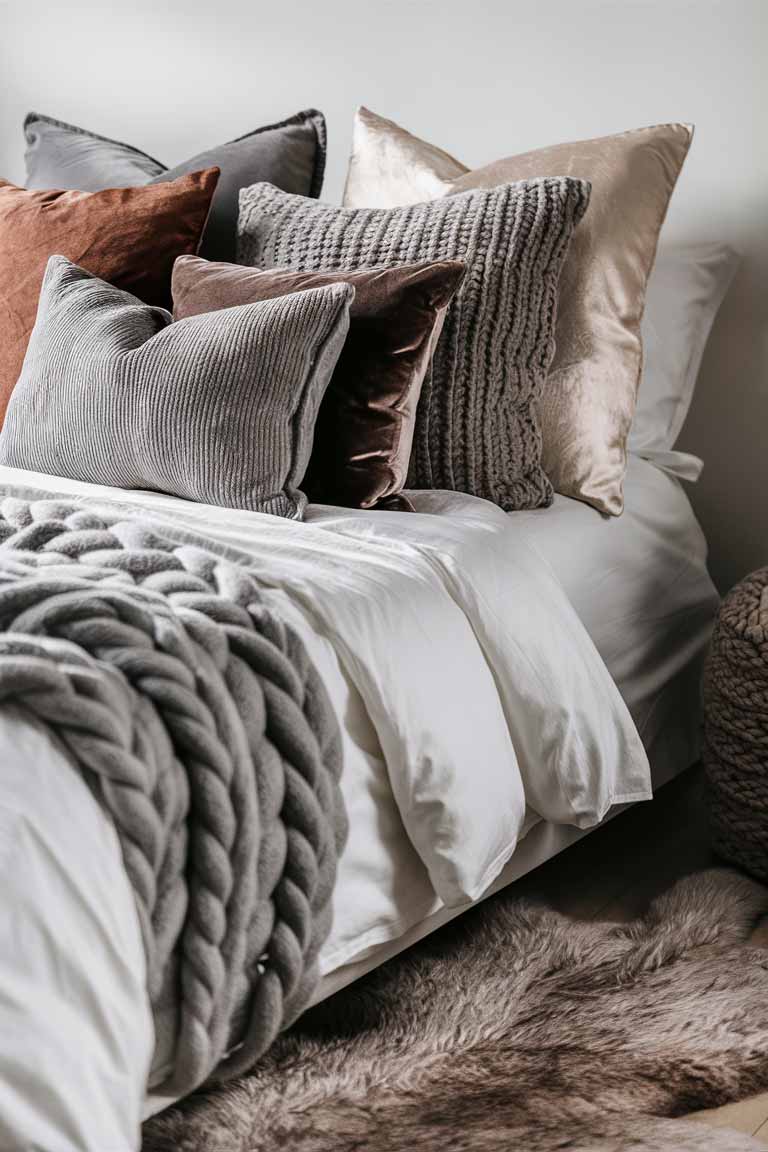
(128,236)
(588,402)
(365,426)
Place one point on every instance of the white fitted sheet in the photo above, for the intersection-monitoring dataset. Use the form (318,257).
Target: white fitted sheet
(639,584)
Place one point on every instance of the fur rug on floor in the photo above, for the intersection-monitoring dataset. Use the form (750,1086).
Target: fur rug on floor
(519,1030)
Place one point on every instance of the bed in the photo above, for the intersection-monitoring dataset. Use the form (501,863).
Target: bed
(620,610)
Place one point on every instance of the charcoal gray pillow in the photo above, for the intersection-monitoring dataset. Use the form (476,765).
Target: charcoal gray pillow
(289,154)
(219,408)
(477,427)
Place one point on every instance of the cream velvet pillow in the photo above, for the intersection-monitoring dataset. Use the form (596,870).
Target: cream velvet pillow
(588,402)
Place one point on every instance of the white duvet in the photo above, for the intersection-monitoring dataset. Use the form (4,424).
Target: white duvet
(451,652)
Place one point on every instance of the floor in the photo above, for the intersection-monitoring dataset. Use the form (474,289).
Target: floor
(649,847)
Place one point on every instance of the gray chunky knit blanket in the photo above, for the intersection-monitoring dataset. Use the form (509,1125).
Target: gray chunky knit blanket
(206,733)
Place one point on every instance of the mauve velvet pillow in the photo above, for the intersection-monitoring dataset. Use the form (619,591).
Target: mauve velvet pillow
(128,236)
(364,430)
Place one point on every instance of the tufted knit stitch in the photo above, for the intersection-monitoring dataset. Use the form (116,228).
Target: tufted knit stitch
(736,726)
(477,427)
(206,732)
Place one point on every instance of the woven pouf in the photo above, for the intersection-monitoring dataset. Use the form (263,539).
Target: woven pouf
(736,726)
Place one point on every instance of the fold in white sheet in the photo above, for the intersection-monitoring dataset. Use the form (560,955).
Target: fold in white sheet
(681,465)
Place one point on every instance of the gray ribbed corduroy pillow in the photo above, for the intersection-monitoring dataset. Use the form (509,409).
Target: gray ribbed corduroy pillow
(477,428)
(219,408)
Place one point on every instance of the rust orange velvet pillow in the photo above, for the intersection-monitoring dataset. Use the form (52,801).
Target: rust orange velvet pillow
(128,236)
(364,430)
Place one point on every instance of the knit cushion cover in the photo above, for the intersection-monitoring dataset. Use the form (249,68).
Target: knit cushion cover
(219,408)
(477,427)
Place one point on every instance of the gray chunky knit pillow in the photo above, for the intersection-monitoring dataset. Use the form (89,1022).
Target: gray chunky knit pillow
(477,427)
(219,408)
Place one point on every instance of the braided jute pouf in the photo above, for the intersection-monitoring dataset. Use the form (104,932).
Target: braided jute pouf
(736,726)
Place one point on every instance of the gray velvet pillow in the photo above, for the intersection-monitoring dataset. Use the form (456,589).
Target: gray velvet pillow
(477,427)
(219,408)
(289,154)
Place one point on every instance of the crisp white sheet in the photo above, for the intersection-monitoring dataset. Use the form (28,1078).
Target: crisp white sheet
(638,582)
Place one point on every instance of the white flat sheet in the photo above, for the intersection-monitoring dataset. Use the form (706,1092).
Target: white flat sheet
(76,1035)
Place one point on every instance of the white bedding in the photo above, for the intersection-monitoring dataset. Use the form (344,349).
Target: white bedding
(639,584)
(481,684)
(473,701)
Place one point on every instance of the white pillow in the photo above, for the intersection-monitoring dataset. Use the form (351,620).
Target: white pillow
(685,290)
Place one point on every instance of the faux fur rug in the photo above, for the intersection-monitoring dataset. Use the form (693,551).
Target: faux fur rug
(519,1030)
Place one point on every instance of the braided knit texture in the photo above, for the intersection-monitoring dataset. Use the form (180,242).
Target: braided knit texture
(736,726)
(204,729)
(477,427)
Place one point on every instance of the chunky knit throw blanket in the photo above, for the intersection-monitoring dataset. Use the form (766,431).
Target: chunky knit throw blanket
(205,731)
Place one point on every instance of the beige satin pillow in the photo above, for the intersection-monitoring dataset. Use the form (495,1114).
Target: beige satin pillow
(589,399)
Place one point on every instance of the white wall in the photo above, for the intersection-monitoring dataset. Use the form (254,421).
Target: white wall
(481,78)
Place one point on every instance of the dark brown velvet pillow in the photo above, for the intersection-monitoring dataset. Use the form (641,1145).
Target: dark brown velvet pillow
(364,430)
(128,236)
